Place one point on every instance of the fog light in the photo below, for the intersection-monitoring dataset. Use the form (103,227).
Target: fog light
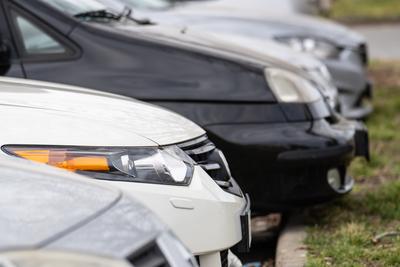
(334,179)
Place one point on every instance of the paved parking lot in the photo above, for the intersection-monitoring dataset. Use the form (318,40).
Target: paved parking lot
(383,40)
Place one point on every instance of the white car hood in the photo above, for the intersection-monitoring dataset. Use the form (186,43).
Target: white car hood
(51,114)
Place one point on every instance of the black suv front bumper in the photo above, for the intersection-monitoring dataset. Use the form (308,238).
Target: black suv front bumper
(286,165)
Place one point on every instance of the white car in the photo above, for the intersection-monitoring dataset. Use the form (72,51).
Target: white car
(136,147)
(241,6)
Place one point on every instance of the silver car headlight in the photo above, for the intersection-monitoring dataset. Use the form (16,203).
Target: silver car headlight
(56,259)
(319,48)
(166,165)
(288,87)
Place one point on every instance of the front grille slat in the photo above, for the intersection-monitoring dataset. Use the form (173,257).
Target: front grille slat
(224,258)
(205,153)
(224,184)
(363,51)
(211,166)
(201,150)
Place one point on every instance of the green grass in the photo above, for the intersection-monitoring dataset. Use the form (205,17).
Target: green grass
(366,10)
(341,233)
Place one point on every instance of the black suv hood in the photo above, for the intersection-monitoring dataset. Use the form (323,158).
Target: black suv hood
(199,42)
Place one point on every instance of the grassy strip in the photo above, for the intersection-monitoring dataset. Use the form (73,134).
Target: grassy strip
(366,10)
(342,232)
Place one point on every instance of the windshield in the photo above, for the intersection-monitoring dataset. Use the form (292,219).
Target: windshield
(76,7)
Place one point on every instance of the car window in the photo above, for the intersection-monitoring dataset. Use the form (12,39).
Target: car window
(35,40)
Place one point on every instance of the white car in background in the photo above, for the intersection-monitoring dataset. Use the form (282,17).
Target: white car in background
(246,6)
(162,159)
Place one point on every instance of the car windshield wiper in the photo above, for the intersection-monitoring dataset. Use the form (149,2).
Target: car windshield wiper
(98,14)
(105,14)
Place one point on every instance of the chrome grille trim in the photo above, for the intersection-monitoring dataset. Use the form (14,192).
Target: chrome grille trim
(194,141)
(201,150)
(211,167)
(224,184)
(213,161)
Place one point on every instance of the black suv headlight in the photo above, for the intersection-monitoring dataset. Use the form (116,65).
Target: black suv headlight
(289,87)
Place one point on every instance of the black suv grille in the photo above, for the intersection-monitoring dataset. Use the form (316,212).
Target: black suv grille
(149,256)
(363,50)
(224,258)
(212,160)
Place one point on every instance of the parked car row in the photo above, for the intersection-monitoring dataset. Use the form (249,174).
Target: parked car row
(269,132)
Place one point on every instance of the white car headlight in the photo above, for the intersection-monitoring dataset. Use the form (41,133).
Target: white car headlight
(167,165)
(319,48)
(288,87)
(56,259)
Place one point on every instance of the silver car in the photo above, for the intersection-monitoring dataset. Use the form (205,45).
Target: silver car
(43,210)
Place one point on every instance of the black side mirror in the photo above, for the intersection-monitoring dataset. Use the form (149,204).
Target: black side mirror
(5,57)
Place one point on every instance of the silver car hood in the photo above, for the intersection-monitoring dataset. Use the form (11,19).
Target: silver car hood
(274,51)
(37,207)
(45,207)
(269,21)
(53,114)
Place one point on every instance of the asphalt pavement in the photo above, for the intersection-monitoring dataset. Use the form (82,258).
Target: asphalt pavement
(383,40)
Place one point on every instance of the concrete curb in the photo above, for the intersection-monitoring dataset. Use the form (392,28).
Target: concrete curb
(291,251)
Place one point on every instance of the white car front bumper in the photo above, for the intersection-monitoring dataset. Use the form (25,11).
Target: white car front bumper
(206,218)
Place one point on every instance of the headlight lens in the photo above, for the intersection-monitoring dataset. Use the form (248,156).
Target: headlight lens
(56,259)
(168,165)
(319,48)
(289,87)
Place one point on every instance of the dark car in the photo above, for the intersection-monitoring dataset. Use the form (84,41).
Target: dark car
(285,146)
(46,209)
(343,51)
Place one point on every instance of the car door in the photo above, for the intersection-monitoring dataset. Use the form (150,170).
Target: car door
(41,51)
(10,64)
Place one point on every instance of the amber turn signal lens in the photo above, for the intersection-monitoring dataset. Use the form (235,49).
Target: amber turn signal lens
(61,159)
